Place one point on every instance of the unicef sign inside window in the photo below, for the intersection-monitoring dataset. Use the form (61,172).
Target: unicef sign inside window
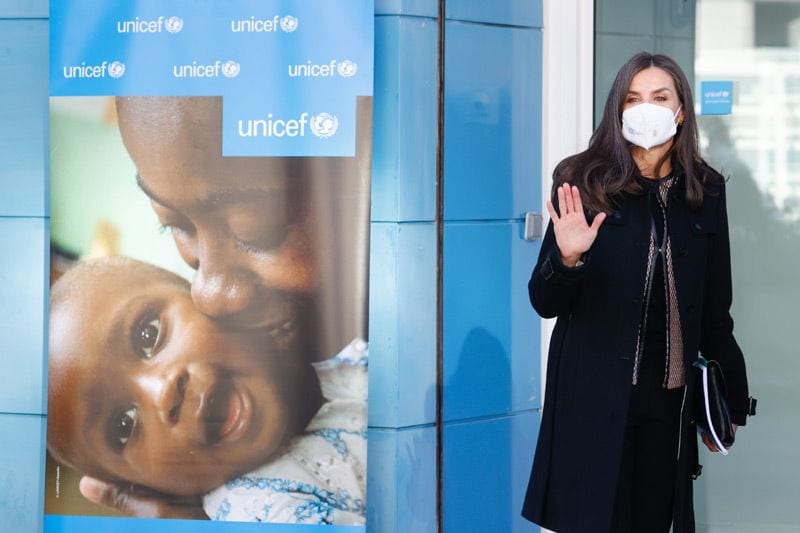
(208,349)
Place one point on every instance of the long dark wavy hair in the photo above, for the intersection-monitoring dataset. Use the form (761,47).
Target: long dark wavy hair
(606,170)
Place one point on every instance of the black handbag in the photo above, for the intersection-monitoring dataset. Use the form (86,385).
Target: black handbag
(712,416)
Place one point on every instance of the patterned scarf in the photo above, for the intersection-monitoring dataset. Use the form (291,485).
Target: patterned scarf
(674,375)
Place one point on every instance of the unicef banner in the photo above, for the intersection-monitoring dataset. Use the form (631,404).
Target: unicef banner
(208,356)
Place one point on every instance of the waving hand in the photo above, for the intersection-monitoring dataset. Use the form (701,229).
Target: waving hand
(574,236)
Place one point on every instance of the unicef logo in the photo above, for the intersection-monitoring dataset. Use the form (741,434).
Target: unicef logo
(324,125)
(289,23)
(230,69)
(725,94)
(116,69)
(347,68)
(174,24)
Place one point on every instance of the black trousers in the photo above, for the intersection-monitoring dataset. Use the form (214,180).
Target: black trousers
(644,501)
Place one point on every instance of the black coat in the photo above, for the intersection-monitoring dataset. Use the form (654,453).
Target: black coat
(590,362)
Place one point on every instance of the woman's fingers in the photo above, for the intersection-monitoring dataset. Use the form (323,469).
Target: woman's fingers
(598,220)
(552,210)
(568,198)
(562,203)
(576,199)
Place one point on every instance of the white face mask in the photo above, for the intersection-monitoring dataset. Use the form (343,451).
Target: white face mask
(649,125)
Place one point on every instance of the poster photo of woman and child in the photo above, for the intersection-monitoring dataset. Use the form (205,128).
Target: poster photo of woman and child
(208,319)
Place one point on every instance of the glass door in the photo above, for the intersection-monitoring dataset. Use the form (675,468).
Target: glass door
(756,45)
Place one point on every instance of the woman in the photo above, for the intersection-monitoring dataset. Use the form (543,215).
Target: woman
(635,265)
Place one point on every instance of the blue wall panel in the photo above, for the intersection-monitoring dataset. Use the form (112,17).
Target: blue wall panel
(23,262)
(486,471)
(508,12)
(401,480)
(23,322)
(419,8)
(402,324)
(491,333)
(21,472)
(23,117)
(492,121)
(404,154)
(402,472)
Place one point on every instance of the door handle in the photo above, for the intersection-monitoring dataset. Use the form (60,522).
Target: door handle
(534,226)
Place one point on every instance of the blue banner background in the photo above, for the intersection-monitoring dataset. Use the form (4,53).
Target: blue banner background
(85,34)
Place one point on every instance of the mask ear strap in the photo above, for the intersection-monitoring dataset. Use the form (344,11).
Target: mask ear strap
(675,116)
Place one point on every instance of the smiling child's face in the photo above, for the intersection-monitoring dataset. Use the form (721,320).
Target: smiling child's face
(145,388)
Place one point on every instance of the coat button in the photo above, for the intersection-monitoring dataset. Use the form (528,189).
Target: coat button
(690,308)
(683,252)
(697,226)
(617,215)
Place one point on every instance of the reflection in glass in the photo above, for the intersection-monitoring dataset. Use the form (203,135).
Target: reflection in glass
(757,45)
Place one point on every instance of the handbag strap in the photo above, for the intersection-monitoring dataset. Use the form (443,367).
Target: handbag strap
(751,406)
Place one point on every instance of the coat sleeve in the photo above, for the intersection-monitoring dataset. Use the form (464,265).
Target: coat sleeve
(717,340)
(554,287)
